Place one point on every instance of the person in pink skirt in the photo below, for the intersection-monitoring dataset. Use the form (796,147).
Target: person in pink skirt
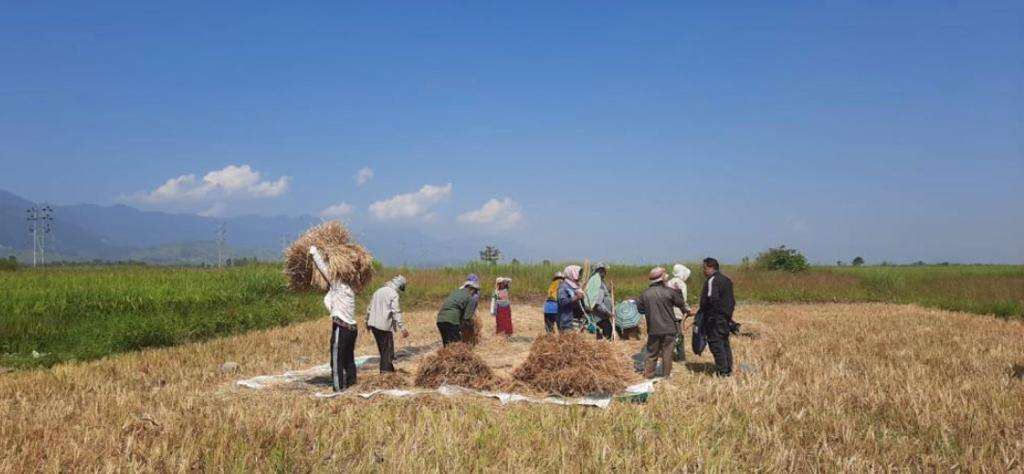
(501,306)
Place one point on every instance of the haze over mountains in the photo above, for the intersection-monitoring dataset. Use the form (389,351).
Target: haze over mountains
(85,232)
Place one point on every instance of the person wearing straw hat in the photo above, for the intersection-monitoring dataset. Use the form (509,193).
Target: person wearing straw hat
(551,305)
(340,300)
(458,308)
(656,304)
(383,317)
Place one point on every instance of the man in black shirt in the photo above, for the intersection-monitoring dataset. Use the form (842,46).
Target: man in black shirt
(716,305)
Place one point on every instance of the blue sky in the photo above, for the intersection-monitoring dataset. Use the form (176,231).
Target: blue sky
(600,129)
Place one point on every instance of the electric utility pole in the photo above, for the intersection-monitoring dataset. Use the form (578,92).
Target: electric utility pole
(40,224)
(31,215)
(222,237)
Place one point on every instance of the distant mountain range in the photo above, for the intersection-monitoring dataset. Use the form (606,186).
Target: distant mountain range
(86,232)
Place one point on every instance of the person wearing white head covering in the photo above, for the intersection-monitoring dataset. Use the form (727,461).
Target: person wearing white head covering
(569,296)
(680,274)
(501,306)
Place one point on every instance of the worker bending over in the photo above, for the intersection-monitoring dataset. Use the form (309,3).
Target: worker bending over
(384,317)
(457,309)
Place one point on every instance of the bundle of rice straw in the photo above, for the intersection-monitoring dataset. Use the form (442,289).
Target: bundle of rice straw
(455,365)
(347,260)
(471,331)
(573,365)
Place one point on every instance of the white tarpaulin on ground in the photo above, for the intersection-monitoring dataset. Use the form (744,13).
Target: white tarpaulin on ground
(644,388)
(632,393)
(266,381)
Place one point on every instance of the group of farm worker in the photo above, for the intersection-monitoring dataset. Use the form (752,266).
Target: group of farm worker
(713,323)
(663,305)
(456,316)
(569,305)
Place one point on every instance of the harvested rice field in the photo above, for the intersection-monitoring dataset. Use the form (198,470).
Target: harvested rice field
(848,387)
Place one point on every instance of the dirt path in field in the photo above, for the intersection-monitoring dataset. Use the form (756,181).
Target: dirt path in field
(833,387)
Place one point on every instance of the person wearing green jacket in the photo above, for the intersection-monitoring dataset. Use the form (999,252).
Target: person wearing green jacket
(599,303)
(459,307)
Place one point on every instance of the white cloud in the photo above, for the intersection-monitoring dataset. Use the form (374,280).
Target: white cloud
(412,205)
(230,182)
(216,210)
(501,214)
(337,211)
(364,176)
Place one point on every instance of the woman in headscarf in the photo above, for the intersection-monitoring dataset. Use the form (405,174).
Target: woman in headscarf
(472,278)
(501,306)
(551,305)
(680,274)
(569,298)
(599,301)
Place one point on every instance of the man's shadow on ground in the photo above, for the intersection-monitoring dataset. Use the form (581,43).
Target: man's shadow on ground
(701,367)
(695,367)
(373,365)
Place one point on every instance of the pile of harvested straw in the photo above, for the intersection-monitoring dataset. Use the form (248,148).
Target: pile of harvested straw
(573,365)
(455,365)
(471,331)
(348,261)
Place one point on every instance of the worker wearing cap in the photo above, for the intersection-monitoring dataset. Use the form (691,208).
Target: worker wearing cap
(383,317)
(458,308)
(340,300)
(656,304)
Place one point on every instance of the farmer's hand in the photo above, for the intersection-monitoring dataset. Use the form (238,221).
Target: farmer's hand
(405,333)
(578,296)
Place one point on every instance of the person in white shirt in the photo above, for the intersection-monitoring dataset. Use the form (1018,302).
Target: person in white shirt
(340,300)
(384,317)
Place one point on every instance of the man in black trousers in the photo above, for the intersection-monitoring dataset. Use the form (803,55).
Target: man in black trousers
(717,304)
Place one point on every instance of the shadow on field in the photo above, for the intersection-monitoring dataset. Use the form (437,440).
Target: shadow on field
(373,365)
(701,367)
(1017,371)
